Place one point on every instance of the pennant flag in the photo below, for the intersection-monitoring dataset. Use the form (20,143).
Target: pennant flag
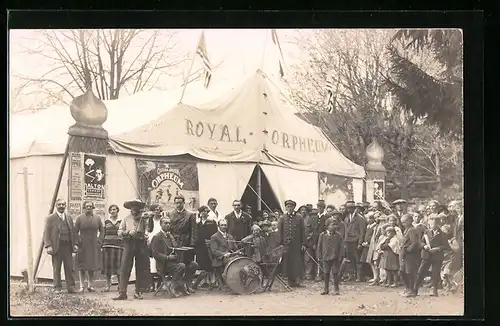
(201,50)
(276,42)
(329,100)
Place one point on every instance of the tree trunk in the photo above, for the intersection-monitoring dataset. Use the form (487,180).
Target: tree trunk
(439,184)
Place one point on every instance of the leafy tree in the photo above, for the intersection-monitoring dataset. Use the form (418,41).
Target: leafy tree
(437,97)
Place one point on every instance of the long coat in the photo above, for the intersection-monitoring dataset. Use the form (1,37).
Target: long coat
(205,232)
(410,251)
(292,235)
(90,232)
(52,232)
(366,249)
(239,227)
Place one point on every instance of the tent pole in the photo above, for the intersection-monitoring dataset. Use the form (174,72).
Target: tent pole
(259,188)
(31,285)
(53,202)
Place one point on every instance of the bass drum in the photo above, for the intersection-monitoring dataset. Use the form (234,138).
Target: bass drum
(242,275)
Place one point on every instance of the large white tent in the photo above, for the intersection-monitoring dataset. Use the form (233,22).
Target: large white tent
(227,130)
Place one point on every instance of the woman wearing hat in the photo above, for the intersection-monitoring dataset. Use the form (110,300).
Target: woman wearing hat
(133,229)
(90,231)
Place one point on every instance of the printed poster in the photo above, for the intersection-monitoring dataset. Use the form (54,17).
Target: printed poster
(378,190)
(75,188)
(95,176)
(334,189)
(161,181)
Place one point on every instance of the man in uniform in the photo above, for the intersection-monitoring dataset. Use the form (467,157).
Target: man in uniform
(163,247)
(60,242)
(183,227)
(354,236)
(292,236)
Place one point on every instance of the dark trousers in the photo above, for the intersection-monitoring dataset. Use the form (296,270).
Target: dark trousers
(408,269)
(135,249)
(331,267)
(424,269)
(353,255)
(309,264)
(63,256)
(181,273)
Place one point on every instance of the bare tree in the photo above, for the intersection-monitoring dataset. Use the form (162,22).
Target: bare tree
(110,61)
(356,62)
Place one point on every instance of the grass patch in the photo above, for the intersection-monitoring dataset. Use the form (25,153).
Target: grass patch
(46,303)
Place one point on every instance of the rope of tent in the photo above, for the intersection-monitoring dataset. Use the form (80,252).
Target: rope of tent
(124,170)
(300,111)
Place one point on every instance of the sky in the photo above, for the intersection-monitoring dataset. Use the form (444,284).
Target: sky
(240,51)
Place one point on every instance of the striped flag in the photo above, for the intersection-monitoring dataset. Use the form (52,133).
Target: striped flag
(276,42)
(201,50)
(329,92)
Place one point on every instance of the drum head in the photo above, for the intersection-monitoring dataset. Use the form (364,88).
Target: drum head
(242,275)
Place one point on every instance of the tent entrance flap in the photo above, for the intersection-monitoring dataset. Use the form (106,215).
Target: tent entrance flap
(268,200)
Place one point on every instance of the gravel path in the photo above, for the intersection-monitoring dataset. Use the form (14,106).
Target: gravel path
(355,299)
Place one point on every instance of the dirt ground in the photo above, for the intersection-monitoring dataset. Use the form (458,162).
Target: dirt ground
(355,299)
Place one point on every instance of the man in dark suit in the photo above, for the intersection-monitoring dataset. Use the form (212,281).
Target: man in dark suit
(222,247)
(355,226)
(183,227)
(409,255)
(167,262)
(330,252)
(60,242)
(239,223)
(311,221)
(434,244)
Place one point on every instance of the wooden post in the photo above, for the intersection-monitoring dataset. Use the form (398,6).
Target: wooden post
(31,279)
(259,189)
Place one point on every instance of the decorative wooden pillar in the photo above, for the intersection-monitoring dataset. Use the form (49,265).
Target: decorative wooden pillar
(87,147)
(375,172)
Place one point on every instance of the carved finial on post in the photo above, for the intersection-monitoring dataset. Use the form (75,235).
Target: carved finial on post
(90,113)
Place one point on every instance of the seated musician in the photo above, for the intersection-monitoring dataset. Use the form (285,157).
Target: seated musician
(222,246)
(255,244)
(168,261)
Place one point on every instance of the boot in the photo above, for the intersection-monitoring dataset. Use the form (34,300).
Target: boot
(121,296)
(336,284)
(434,292)
(326,289)
(418,283)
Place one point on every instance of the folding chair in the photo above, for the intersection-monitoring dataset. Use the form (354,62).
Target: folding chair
(165,284)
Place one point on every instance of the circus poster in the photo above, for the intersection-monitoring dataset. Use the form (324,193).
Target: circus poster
(161,181)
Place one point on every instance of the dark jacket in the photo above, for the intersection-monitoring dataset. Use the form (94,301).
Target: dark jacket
(239,227)
(330,247)
(355,229)
(220,246)
(311,223)
(439,241)
(184,227)
(410,245)
(52,232)
(162,247)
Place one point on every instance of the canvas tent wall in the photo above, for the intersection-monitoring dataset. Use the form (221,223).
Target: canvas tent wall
(247,111)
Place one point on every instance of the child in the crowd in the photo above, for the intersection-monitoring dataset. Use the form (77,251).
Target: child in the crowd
(391,246)
(381,257)
(330,251)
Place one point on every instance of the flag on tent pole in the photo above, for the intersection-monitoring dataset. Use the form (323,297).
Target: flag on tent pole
(329,92)
(276,42)
(201,50)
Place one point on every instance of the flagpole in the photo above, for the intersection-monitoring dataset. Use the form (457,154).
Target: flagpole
(264,51)
(186,79)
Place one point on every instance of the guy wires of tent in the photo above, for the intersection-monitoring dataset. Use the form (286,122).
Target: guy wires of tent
(318,131)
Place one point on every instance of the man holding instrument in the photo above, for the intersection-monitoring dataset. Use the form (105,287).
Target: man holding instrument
(222,246)
(183,227)
(163,246)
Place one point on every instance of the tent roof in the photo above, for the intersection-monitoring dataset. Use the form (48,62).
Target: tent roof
(249,124)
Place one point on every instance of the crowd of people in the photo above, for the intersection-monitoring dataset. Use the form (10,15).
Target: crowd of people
(385,245)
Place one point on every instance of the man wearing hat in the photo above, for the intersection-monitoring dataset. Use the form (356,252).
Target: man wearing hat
(183,227)
(354,236)
(311,229)
(434,243)
(133,229)
(292,236)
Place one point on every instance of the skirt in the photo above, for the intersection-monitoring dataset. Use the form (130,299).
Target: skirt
(111,260)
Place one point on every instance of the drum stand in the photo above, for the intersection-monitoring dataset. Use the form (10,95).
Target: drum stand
(274,275)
